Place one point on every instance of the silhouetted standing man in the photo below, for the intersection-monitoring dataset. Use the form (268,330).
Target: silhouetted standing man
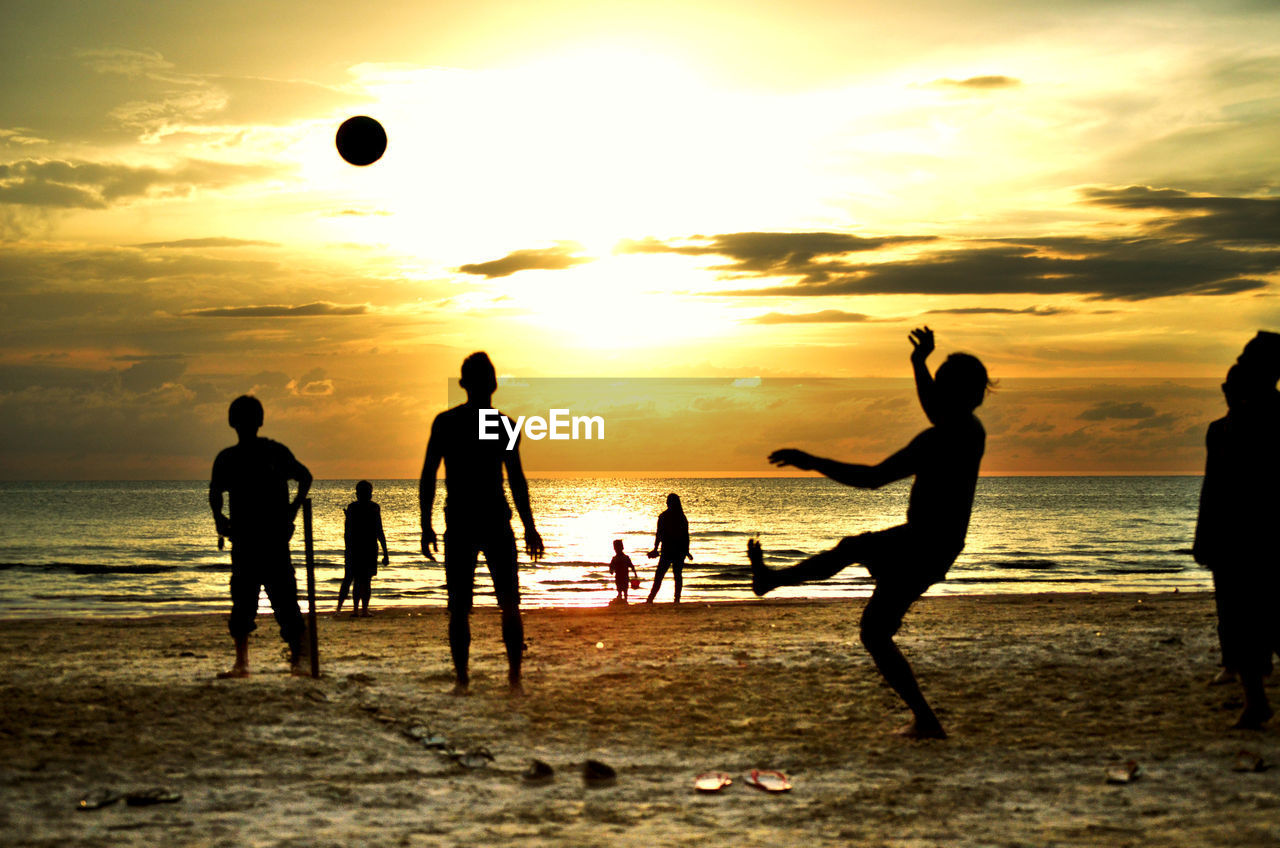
(256,473)
(1235,530)
(905,560)
(477,517)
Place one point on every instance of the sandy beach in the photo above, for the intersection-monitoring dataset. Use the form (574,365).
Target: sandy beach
(1040,694)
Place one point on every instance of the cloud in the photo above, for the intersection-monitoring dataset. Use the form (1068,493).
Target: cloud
(21,136)
(150,374)
(41,272)
(826,316)
(98,185)
(548,259)
(209,242)
(1205,246)
(307,310)
(1163,421)
(776,254)
(1099,269)
(996,310)
(981,83)
(1103,410)
(1118,270)
(175,101)
(129,63)
(1235,220)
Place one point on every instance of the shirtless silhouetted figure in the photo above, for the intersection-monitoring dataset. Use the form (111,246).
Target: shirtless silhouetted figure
(908,559)
(256,473)
(477,517)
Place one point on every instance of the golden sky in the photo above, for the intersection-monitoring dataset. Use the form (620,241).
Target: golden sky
(1085,195)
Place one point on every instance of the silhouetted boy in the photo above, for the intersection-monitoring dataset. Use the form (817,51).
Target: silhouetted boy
(671,546)
(1235,531)
(908,559)
(361,535)
(619,566)
(256,473)
(477,517)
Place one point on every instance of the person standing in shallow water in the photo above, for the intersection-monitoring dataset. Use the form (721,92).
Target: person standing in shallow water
(906,560)
(361,535)
(619,566)
(671,546)
(1235,537)
(256,473)
(477,517)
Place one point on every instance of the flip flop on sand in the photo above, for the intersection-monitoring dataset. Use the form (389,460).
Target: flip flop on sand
(768,780)
(473,759)
(152,795)
(597,774)
(422,733)
(96,799)
(1126,772)
(539,773)
(712,781)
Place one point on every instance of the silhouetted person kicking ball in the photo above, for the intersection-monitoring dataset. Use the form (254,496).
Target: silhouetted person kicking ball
(361,535)
(256,473)
(1235,530)
(477,517)
(908,559)
(671,546)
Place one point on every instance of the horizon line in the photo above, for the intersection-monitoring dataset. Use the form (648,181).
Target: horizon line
(625,475)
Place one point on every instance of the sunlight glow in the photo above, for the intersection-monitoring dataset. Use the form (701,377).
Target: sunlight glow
(594,145)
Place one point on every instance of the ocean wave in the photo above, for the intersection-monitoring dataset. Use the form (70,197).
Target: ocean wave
(143,598)
(89,568)
(1027,562)
(1056,578)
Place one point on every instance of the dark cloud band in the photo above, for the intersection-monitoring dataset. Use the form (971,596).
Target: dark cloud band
(548,259)
(307,310)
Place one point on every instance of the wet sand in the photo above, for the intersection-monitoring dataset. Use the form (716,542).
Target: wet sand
(1040,694)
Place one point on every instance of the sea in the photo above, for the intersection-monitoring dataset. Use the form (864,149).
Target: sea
(75,549)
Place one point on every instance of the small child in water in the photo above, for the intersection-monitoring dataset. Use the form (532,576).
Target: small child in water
(619,565)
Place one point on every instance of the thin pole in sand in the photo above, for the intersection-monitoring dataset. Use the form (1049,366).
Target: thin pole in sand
(311,588)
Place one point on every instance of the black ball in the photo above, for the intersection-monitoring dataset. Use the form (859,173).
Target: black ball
(361,140)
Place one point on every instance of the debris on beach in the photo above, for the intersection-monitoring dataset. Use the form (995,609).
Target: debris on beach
(1125,772)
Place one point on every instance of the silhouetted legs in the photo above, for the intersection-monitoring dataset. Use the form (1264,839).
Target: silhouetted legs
(677,569)
(255,567)
(821,566)
(1248,632)
(881,619)
(499,549)
(361,594)
(344,589)
(460,649)
(513,639)
(882,616)
(241,667)
(1257,709)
